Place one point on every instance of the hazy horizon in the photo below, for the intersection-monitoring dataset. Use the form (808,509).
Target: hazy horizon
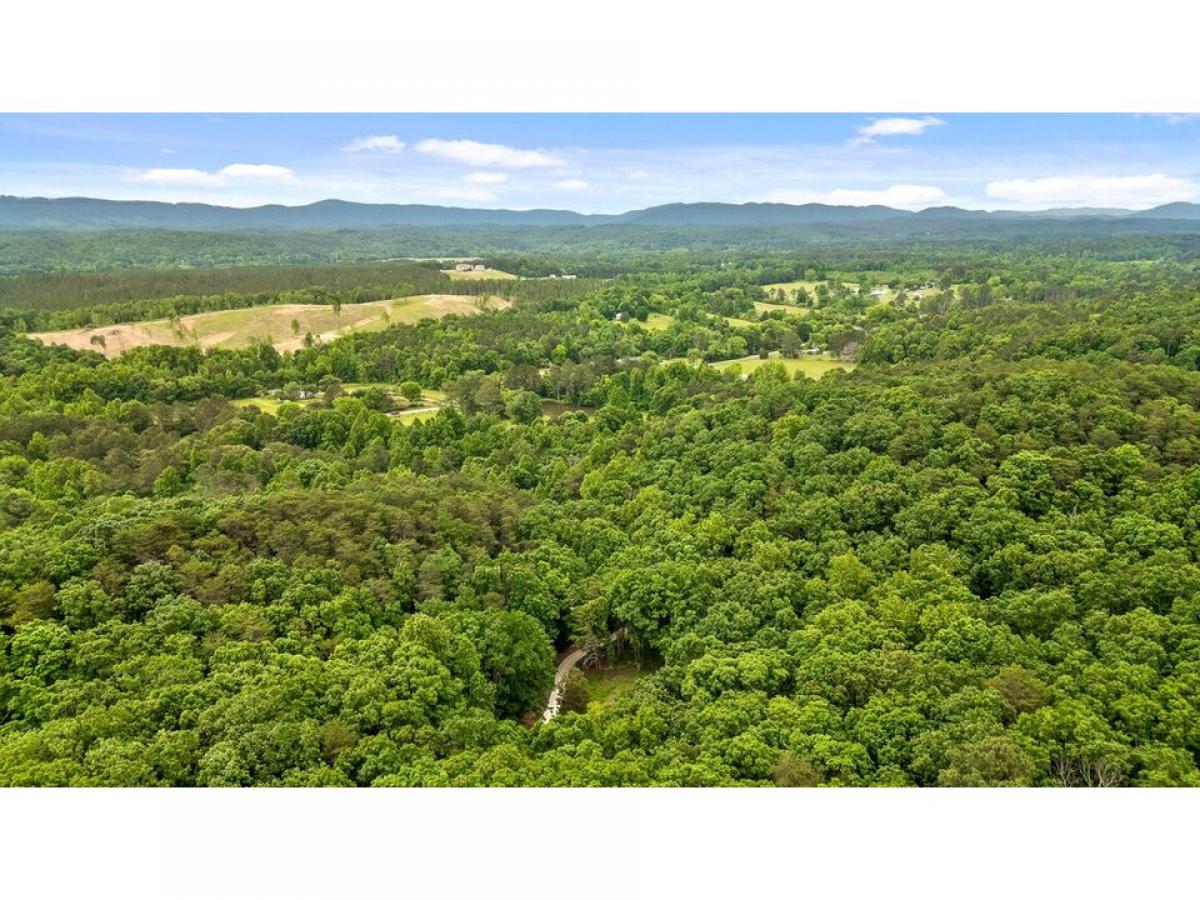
(609,163)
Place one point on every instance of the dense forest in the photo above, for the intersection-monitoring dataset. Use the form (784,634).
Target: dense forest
(968,556)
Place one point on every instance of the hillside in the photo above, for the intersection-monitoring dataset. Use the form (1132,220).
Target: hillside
(85,213)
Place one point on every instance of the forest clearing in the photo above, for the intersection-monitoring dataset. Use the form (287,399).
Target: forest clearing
(283,326)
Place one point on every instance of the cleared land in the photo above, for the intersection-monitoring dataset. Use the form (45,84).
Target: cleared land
(473,275)
(654,322)
(658,322)
(763,307)
(812,366)
(790,288)
(418,410)
(233,329)
(605,686)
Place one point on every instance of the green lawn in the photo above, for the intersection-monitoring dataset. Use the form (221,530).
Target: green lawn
(407,417)
(764,307)
(654,322)
(269,405)
(429,397)
(658,322)
(811,366)
(606,686)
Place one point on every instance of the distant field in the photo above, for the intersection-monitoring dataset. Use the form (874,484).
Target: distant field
(425,408)
(486,274)
(658,322)
(763,307)
(790,288)
(236,328)
(812,366)
(654,322)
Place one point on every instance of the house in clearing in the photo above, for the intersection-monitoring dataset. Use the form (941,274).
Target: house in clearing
(480,267)
(463,267)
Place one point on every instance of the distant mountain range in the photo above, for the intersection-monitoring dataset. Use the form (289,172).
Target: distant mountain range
(85,213)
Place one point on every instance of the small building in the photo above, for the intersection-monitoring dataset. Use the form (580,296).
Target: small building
(878,292)
(480,267)
(570,276)
(463,267)
(620,317)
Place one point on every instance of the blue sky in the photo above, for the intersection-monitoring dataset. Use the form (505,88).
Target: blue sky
(608,163)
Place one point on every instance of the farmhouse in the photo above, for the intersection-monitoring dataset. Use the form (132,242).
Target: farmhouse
(463,267)
(480,267)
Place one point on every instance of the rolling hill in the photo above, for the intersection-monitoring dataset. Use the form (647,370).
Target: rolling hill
(86,213)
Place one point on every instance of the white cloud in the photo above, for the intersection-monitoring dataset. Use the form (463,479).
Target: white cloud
(895,126)
(1128,191)
(265,171)
(898,196)
(486,178)
(173,176)
(478,154)
(571,184)
(234,172)
(381,143)
(1176,118)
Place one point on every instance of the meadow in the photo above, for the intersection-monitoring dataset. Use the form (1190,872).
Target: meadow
(284,326)
(811,366)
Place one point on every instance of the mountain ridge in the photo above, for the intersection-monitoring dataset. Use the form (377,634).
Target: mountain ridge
(88,213)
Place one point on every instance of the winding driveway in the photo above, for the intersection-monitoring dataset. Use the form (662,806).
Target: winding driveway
(570,661)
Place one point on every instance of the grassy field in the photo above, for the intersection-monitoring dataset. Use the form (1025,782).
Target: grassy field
(811,366)
(486,274)
(658,322)
(237,328)
(763,307)
(408,416)
(269,405)
(654,322)
(606,686)
(790,288)
(418,412)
